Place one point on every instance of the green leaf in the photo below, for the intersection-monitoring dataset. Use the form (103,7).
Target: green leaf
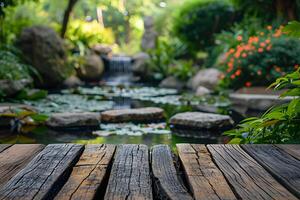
(291,92)
(292,29)
(235,141)
(32,94)
(39,117)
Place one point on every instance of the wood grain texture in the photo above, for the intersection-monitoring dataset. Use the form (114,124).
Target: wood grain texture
(168,186)
(44,175)
(284,167)
(205,179)
(13,159)
(88,174)
(292,149)
(248,179)
(4,146)
(130,174)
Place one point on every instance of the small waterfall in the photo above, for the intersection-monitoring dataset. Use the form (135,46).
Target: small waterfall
(119,71)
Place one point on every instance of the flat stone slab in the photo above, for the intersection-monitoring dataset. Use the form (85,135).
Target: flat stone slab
(261,102)
(200,120)
(148,114)
(74,120)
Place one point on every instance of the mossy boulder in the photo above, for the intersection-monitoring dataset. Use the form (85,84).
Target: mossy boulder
(45,51)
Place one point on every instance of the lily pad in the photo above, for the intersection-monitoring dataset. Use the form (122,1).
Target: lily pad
(57,103)
(135,129)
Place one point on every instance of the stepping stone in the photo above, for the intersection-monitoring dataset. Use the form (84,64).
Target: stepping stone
(260,102)
(200,120)
(74,120)
(149,114)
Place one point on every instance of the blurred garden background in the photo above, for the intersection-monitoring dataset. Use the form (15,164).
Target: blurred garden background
(210,56)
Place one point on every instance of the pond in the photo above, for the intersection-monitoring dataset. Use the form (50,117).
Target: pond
(101,98)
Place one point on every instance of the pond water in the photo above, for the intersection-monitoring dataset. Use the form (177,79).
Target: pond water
(100,98)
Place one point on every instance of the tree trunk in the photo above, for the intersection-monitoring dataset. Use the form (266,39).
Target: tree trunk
(286,9)
(127,30)
(67,14)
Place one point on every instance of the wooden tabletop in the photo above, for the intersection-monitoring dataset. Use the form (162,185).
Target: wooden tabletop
(193,171)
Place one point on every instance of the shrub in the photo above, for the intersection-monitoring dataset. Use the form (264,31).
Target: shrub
(166,60)
(278,125)
(197,21)
(82,34)
(12,66)
(259,60)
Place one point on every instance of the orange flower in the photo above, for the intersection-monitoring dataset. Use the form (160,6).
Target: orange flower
(232,76)
(269,47)
(268,41)
(262,44)
(260,50)
(248,84)
(277,69)
(269,28)
(238,72)
(239,38)
(237,54)
(259,72)
(253,39)
(244,55)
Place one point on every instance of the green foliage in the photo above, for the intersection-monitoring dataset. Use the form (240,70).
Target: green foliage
(258,60)
(160,59)
(22,14)
(182,69)
(32,95)
(292,29)
(9,3)
(12,65)
(197,21)
(165,60)
(268,10)
(280,124)
(83,35)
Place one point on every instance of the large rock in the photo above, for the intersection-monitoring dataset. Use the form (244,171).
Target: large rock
(92,69)
(208,78)
(171,82)
(74,120)
(150,114)
(45,51)
(73,81)
(150,36)
(12,87)
(202,91)
(200,120)
(140,65)
(102,49)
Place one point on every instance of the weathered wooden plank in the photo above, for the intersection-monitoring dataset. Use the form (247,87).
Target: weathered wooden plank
(13,159)
(248,179)
(292,149)
(205,179)
(4,146)
(284,167)
(88,175)
(130,174)
(44,175)
(167,183)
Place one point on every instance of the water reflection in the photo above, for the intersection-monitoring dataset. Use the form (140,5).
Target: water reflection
(43,135)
